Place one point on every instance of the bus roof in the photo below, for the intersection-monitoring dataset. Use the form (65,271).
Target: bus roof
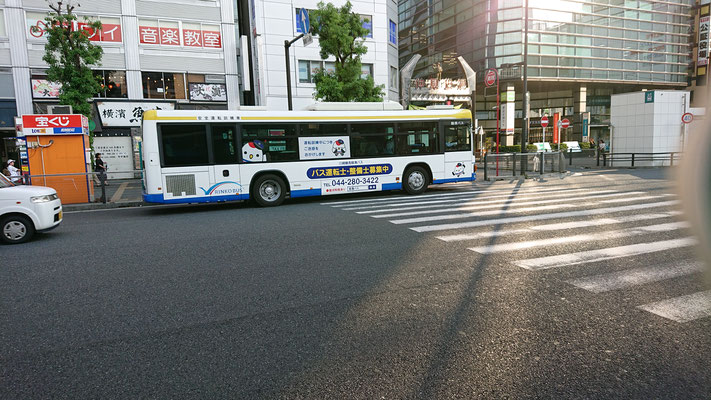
(308,116)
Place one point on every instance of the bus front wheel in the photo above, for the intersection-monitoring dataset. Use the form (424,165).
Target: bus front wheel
(415,180)
(269,190)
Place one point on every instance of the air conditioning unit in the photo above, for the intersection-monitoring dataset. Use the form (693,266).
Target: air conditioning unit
(59,109)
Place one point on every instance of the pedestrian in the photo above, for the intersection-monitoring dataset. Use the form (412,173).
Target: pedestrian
(601,145)
(15,175)
(592,143)
(100,168)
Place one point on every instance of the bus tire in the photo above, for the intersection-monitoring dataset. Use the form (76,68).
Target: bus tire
(15,229)
(269,190)
(415,180)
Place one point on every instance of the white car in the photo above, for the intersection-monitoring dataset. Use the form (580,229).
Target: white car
(25,210)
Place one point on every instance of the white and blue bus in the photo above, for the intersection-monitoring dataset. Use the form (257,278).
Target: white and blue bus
(212,156)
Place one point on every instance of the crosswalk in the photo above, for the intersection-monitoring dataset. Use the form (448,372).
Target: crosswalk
(612,229)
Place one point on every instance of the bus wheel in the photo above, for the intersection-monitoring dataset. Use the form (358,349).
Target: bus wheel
(269,190)
(415,180)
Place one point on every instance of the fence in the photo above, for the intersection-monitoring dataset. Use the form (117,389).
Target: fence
(78,188)
(594,158)
(504,165)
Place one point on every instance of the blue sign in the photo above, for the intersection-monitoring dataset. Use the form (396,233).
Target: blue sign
(360,170)
(303,24)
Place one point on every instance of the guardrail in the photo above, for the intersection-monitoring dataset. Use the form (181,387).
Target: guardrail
(504,165)
(638,159)
(82,184)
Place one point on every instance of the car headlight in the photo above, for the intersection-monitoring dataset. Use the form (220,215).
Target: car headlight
(44,199)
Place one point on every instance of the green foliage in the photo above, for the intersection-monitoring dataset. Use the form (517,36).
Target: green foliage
(69,54)
(531,148)
(510,149)
(554,146)
(341,35)
(585,145)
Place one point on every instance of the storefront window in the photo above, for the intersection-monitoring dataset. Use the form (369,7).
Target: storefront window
(7,89)
(113,84)
(163,85)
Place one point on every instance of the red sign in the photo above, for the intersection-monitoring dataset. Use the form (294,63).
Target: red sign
(169,37)
(108,32)
(556,118)
(148,34)
(54,121)
(192,38)
(211,39)
(565,123)
(687,118)
(544,121)
(490,78)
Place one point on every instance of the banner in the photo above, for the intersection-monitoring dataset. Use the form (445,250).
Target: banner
(324,148)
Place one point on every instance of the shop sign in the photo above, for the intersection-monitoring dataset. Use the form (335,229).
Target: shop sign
(442,87)
(172,36)
(125,114)
(44,89)
(53,124)
(208,91)
(37,28)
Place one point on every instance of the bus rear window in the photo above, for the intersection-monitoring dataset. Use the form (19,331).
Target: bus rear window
(184,145)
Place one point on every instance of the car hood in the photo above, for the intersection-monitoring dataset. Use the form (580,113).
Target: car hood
(25,191)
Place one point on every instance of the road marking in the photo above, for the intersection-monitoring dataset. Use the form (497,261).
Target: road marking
(606,177)
(410,198)
(512,202)
(638,198)
(462,200)
(637,276)
(682,309)
(637,231)
(501,211)
(119,192)
(538,217)
(558,226)
(564,260)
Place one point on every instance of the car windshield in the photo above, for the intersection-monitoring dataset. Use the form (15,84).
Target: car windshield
(4,182)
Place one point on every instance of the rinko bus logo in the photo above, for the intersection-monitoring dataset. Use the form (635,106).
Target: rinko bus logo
(223,188)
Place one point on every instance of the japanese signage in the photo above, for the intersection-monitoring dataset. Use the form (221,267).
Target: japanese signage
(179,34)
(350,178)
(346,171)
(508,112)
(324,148)
(117,153)
(445,87)
(127,113)
(703,55)
(208,91)
(109,32)
(44,89)
(52,124)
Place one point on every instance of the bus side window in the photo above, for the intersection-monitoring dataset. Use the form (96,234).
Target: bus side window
(417,138)
(269,143)
(183,144)
(224,149)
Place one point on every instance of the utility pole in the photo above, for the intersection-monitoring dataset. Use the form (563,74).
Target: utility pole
(524,129)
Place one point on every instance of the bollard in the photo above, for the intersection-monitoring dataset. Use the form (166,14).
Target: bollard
(671,160)
(486,167)
(513,169)
(633,159)
(604,160)
(543,163)
(598,157)
(570,154)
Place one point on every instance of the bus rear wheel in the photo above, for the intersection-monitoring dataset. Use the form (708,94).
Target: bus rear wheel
(415,180)
(269,190)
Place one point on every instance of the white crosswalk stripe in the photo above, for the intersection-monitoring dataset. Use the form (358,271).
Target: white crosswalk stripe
(682,309)
(648,225)
(636,276)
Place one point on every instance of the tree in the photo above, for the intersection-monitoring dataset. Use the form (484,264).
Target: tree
(69,54)
(341,35)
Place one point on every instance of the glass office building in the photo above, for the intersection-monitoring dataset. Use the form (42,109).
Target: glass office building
(580,51)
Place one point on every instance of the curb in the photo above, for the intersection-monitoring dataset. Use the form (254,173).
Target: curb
(100,206)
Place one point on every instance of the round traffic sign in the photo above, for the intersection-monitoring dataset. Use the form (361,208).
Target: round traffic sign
(490,78)
(544,121)
(565,123)
(687,118)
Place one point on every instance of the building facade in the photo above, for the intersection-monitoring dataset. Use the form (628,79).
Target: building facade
(277,21)
(580,52)
(178,54)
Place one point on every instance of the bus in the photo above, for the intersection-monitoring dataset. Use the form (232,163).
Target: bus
(195,156)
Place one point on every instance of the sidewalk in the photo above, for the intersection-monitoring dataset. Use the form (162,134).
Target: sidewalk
(119,193)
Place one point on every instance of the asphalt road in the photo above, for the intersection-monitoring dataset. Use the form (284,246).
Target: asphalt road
(339,298)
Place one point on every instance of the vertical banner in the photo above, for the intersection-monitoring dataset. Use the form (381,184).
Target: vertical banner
(702,57)
(508,112)
(556,120)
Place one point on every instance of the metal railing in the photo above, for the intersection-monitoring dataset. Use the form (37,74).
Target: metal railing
(85,183)
(508,165)
(638,159)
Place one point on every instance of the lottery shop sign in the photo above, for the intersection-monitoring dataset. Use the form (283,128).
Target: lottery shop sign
(53,124)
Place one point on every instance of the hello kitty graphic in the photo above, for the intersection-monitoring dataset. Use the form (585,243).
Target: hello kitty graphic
(339,147)
(253,152)
(459,170)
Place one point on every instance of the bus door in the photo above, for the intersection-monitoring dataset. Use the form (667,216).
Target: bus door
(226,176)
(458,156)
